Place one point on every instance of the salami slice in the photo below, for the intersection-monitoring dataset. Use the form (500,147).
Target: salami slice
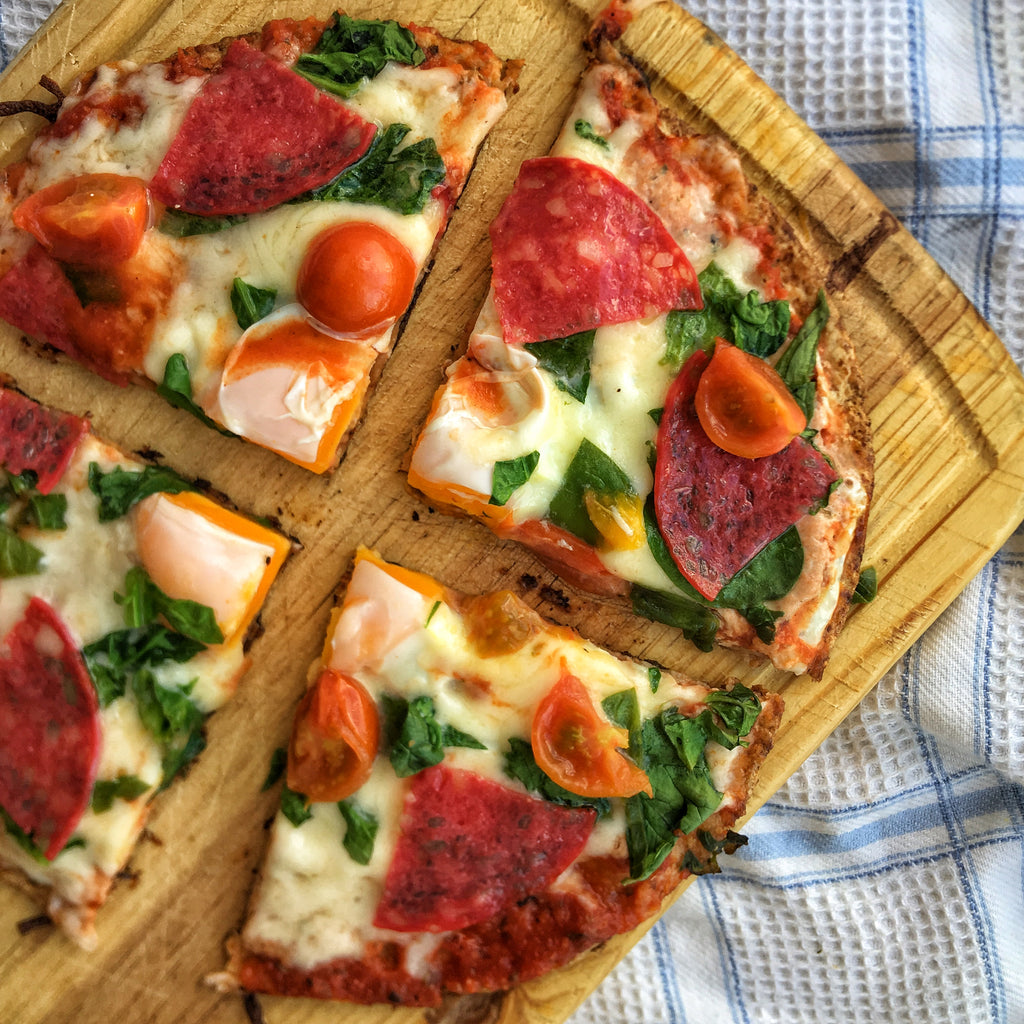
(49,721)
(255,136)
(717,510)
(575,248)
(36,438)
(470,847)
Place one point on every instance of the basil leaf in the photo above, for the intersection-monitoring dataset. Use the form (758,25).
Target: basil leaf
(179,224)
(17,557)
(124,787)
(360,831)
(796,364)
(585,130)
(520,764)
(250,304)
(176,388)
(120,489)
(590,470)
(295,807)
(698,624)
(48,511)
(568,361)
(352,49)
(510,475)
(867,587)
(385,175)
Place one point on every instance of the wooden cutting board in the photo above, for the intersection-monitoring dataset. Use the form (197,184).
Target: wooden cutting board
(946,401)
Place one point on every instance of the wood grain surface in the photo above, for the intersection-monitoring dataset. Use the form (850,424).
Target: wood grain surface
(946,403)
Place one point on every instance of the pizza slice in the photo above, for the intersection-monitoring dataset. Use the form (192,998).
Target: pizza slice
(125,604)
(656,398)
(473,796)
(244,224)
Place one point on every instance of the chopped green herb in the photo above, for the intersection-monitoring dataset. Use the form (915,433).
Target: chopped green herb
(654,677)
(17,557)
(48,511)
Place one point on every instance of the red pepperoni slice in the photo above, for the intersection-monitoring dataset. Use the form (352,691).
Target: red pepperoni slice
(574,248)
(717,510)
(470,847)
(257,135)
(49,721)
(36,438)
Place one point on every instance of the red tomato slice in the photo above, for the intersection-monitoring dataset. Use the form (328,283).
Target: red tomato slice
(579,749)
(92,220)
(356,278)
(334,739)
(744,406)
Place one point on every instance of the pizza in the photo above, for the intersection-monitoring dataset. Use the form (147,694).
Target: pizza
(473,796)
(656,397)
(243,225)
(127,604)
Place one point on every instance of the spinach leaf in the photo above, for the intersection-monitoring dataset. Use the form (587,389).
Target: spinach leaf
(867,587)
(568,362)
(360,831)
(179,224)
(796,364)
(590,470)
(698,624)
(520,764)
(510,475)
(770,574)
(47,511)
(352,49)
(385,175)
(120,489)
(116,658)
(295,807)
(414,738)
(176,388)
(662,555)
(144,602)
(170,716)
(654,677)
(752,325)
(17,557)
(124,787)
(22,838)
(737,709)
(181,753)
(585,130)
(250,304)
(623,708)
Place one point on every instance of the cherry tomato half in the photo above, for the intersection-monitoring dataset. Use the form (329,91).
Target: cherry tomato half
(578,748)
(334,739)
(744,406)
(92,220)
(356,278)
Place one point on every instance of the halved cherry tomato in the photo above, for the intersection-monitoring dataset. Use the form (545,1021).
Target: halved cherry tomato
(334,739)
(92,220)
(575,746)
(744,406)
(356,278)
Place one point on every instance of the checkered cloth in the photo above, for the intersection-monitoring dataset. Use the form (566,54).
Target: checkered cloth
(884,883)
